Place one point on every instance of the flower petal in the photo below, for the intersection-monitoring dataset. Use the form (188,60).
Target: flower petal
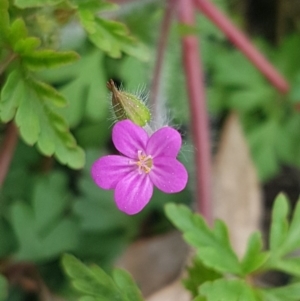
(133,193)
(109,170)
(129,138)
(165,142)
(168,174)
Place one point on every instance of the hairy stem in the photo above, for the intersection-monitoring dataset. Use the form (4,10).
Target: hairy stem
(243,43)
(162,44)
(198,112)
(7,150)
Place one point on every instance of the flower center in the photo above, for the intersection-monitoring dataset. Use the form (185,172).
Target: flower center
(144,163)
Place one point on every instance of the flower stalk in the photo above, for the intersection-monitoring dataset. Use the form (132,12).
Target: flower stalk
(198,111)
(243,43)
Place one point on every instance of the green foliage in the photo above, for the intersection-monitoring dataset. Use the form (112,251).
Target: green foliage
(216,251)
(198,274)
(35,3)
(94,284)
(4,20)
(211,279)
(42,228)
(38,119)
(110,36)
(269,118)
(3,288)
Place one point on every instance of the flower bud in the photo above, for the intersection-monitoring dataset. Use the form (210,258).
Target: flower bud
(128,106)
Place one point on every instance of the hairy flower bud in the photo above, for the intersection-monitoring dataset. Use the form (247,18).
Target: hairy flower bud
(128,106)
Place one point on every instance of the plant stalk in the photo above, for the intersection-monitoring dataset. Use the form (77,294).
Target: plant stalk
(243,43)
(198,111)
(7,150)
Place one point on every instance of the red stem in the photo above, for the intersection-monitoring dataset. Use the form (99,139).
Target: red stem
(162,44)
(243,43)
(7,150)
(198,112)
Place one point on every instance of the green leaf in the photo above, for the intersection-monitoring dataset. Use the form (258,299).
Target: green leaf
(288,265)
(45,59)
(197,275)
(36,3)
(292,241)
(11,96)
(225,290)
(38,119)
(87,93)
(43,230)
(254,258)
(213,246)
(3,285)
(17,31)
(110,36)
(126,284)
(94,284)
(245,100)
(284,238)
(4,20)
(290,292)
(263,140)
(279,225)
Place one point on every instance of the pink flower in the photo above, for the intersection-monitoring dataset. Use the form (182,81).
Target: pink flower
(145,162)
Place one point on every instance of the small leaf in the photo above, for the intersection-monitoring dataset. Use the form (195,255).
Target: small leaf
(225,290)
(126,284)
(288,265)
(292,241)
(37,119)
(290,292)
(197,275)
(3,285)
(18,31)
(36,3)
(4,20)
(44,59)
(111,36)
(11,96)
(254,258)
(279,226)
(92,282)
(213,247)
(43,230)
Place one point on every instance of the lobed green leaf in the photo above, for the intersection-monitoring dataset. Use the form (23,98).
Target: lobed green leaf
(213,246)
(110,36)
(42,229)
(254,258)
(36,3)
(38,119)
(290,292)
(3,285)
(94,284)
(225,290)
(279,226)
(4,20)
(43,59)
(197,275)
(127,285)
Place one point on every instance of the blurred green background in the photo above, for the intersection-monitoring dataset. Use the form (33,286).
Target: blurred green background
(47,208)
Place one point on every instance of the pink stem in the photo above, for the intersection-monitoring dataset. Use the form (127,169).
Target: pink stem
(162,44)
(7,150)
(243,43)
(198,112)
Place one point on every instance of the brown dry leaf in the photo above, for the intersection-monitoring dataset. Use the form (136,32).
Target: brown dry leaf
(236,189)
(172,292)
(155,262)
